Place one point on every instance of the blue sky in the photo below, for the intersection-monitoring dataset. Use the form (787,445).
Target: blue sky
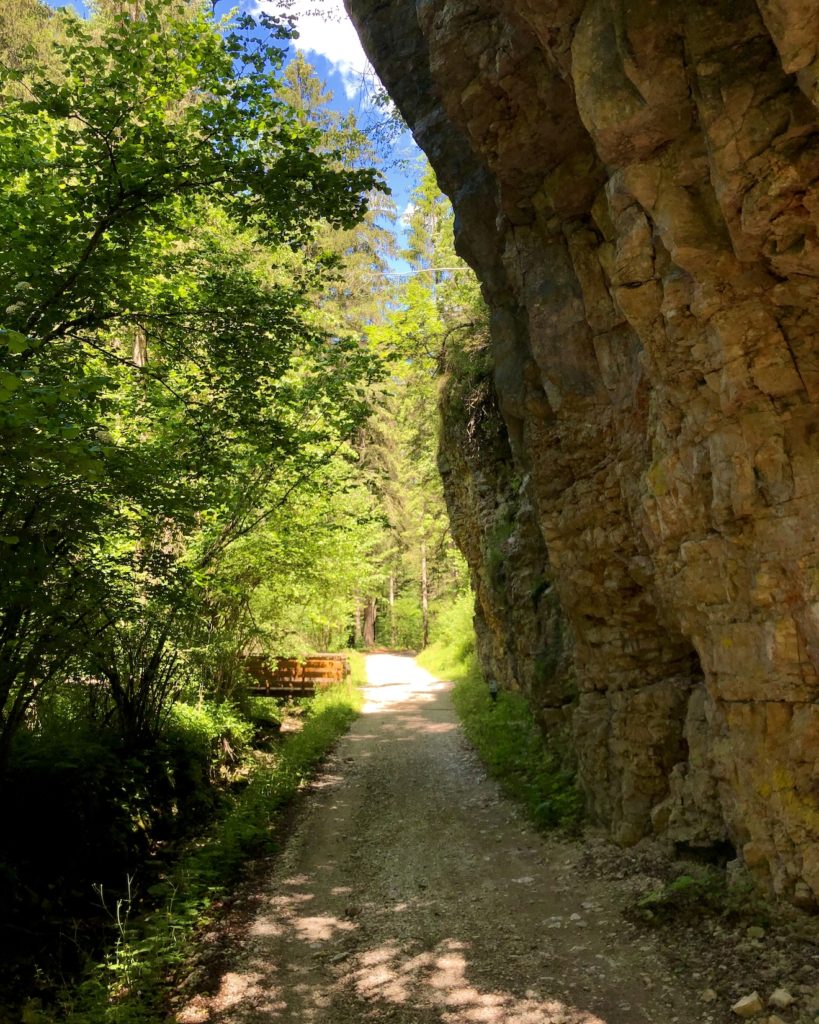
(330,43)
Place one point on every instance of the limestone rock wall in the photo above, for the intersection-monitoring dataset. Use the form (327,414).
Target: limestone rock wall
(637,187)
(521,632)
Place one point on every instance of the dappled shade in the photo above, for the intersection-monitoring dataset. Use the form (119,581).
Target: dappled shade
(412,892)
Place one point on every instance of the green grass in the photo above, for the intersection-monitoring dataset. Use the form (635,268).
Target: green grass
(130,986)
(532,770)
(358,667)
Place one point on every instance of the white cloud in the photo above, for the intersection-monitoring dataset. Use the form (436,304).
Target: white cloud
(406,213)
(325,29)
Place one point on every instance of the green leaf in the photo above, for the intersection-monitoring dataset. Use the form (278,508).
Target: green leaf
(9,383)
(15,342)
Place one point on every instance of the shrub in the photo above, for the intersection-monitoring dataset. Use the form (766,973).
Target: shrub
(409,625)
(218,733)
(452,628)
(128,985)
(70,790)
(263,712)
(702,891)
(89,812)
(200,745)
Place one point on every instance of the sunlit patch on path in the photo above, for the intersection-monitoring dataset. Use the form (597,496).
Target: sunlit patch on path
(413,892)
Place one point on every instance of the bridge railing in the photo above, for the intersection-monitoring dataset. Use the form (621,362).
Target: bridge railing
(292,677)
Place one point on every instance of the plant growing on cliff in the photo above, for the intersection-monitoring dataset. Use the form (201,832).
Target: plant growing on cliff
(702,891)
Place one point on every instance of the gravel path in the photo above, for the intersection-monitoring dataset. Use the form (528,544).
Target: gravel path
(412,891)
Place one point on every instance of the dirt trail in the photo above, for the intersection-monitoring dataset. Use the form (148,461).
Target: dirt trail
(413,892)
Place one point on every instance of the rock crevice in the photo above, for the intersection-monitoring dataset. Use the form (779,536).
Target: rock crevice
(637,188)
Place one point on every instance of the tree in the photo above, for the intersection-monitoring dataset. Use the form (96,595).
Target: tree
(438,299)
(358,293)
(164,382)
(28,29)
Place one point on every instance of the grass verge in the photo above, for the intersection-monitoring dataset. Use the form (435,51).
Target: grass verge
(531,768)
(130,985)
(358,667)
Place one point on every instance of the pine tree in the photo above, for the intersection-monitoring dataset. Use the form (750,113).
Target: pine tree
(439,298)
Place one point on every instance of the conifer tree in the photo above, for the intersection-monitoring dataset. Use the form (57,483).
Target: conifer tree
(438,298)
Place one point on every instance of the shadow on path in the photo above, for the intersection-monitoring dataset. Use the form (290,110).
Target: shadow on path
(412,891)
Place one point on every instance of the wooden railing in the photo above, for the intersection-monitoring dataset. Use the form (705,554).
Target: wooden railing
(289,677)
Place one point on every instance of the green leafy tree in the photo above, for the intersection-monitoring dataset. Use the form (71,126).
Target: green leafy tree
(28,29)
(165,384)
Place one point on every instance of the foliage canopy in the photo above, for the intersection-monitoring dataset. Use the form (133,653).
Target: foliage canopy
(165,384)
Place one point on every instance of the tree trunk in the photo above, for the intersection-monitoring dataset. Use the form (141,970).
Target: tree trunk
(370,615)
(357,638)
(424,593)
(392,609)
(140,352)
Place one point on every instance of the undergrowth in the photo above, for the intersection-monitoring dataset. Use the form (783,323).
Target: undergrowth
(703,891)
(531,768)
(358,667)
(130,985)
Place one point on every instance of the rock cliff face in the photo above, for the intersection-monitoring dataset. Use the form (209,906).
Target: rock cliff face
(637,187)
(518,621)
